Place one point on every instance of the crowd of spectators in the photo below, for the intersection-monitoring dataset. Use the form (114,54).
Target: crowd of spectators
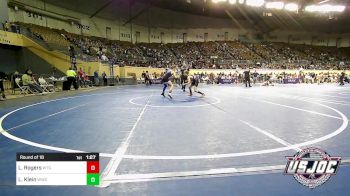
(237,77)
(199,55)
(219,55)
(78,79)
(31,83)
(11,27)
(233,55)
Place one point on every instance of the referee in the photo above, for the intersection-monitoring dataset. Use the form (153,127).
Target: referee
(71,78)
(247,78)
(2,90)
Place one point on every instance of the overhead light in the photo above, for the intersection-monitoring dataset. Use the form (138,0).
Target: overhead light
(339,8)
(325,1)
(218,1)
(310,8)
(240,1)
(293,7)
(255,3)
(232,1)
(325,8)
(274,5)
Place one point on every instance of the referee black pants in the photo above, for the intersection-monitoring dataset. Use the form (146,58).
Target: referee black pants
(2,90)
(247,82)
(73,80)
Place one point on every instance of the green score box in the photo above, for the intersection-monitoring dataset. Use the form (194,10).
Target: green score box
(93,179)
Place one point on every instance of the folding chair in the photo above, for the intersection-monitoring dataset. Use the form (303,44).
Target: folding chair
(46,87)
(25,90)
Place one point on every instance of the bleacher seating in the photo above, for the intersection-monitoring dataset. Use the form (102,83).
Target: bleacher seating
(220,54)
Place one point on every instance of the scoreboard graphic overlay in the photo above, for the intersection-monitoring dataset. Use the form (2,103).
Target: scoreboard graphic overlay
(58,169)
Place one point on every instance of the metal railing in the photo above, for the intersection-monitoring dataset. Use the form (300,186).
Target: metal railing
(30,35)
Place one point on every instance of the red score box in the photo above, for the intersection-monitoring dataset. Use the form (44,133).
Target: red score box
(93,167)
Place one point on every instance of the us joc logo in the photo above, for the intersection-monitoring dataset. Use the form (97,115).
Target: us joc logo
(312,167)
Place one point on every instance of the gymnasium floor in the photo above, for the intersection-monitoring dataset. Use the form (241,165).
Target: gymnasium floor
(233,141)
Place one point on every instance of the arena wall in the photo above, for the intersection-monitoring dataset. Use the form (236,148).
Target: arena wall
(4,12)
(20,53)
(119,31)
(309,38)
(138,71)
(169,29)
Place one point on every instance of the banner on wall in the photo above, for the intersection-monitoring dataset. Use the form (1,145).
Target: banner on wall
(226,81)
(9,38)
(84,26)
(291,81)
(157,81)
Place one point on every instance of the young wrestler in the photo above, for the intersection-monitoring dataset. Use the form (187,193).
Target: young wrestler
(184,79)
(193,81)
(167,82)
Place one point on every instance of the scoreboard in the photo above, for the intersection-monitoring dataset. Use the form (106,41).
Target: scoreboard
(58,169)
